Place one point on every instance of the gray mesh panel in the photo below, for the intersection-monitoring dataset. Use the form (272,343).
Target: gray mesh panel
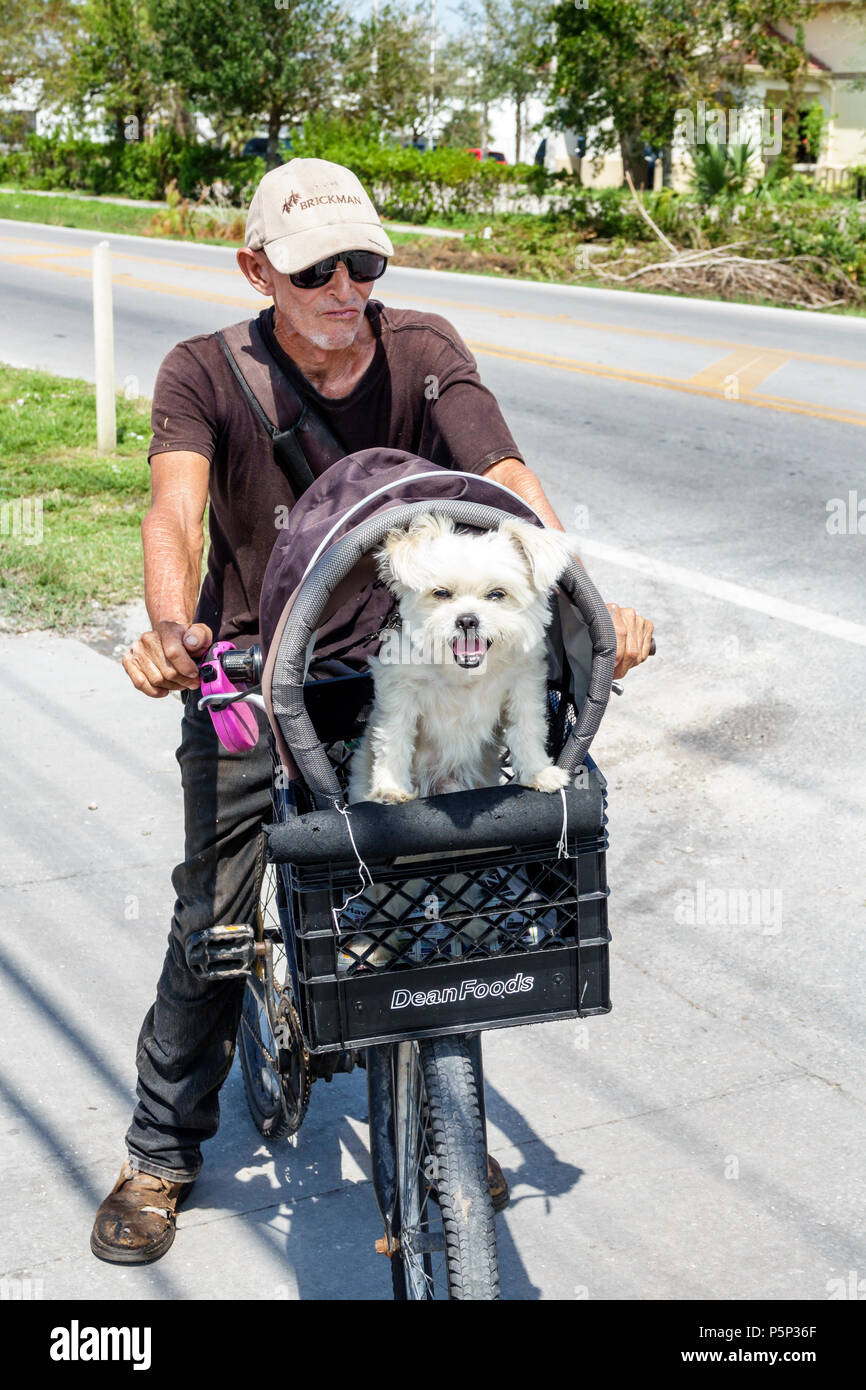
(337,562)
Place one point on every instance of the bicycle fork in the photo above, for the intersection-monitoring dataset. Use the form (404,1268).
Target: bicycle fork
(381,1083)
(383,1146)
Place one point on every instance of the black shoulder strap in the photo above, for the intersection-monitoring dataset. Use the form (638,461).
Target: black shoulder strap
(272,397)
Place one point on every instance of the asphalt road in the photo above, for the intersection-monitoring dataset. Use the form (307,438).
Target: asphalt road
(704,1139)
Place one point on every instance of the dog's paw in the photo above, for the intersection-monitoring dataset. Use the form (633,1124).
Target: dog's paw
(549,779)
(389,794)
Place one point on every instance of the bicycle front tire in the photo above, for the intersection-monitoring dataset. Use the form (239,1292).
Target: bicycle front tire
(442,1161)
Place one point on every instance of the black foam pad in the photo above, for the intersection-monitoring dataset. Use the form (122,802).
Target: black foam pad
(481,819)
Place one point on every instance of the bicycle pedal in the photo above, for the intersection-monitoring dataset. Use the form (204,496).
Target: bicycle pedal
(218,953)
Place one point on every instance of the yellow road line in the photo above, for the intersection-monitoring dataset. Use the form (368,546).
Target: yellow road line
(37,241)
(592,325)
(133,282)
(35,257)
(778,403)
(744,369)
(61,250)
(668,383)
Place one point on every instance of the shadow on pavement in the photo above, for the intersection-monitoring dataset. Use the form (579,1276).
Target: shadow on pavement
(81,1188)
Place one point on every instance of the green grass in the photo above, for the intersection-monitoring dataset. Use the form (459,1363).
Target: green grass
(108,217)
(89,551)
(75,212)
(522,245)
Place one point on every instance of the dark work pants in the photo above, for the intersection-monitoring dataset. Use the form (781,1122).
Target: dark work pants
(187,1040)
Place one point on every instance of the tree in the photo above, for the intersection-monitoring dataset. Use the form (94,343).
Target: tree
(462,128)
(503,44)
(386,69)
(626,67)
(110,60)
(34,35)
(269,60)
(623,68)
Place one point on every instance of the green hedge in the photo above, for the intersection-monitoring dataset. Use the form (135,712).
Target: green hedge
(133,169)
(404,183)
(787,216)
(412,186)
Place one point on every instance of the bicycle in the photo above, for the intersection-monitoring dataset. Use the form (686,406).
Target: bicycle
(392,936)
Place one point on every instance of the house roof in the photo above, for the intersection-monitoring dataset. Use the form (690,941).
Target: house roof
(815,64)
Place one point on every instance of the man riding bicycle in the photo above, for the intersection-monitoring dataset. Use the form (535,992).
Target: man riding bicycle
(376,376)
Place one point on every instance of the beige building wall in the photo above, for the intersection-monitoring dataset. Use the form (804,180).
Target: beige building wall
(837,37)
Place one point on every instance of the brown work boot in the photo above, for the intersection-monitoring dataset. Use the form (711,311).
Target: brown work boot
(135,1223)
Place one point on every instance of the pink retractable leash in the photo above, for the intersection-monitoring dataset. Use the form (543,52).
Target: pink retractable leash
(236,726)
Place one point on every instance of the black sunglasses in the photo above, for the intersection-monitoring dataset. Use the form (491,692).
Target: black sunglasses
(362,266)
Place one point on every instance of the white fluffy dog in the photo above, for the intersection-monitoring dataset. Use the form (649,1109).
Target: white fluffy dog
(466,673)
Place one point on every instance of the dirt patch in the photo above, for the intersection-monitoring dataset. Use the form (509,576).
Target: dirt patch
(429,253)
(739,732)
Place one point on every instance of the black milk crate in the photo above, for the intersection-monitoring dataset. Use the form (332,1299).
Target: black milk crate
(454,942)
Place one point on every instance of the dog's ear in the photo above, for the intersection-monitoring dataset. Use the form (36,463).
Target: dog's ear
(398,556)
(546,552)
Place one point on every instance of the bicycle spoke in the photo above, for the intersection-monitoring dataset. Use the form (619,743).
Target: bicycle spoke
(422,1240)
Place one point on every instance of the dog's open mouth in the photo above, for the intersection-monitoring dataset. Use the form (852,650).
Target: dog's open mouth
(469,647)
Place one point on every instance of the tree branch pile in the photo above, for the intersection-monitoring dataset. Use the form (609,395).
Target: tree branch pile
(801,282)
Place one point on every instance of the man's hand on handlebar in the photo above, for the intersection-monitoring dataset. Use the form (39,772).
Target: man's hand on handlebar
(633,638)
(166,658)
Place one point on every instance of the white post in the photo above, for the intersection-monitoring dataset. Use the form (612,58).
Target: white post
(103,349)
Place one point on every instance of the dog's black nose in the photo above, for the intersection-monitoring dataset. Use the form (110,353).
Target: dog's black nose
(466,621)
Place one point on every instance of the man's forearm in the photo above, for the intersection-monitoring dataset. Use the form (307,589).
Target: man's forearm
(518,478)
(172,568)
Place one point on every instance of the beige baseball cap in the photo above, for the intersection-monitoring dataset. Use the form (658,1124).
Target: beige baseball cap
(308,209)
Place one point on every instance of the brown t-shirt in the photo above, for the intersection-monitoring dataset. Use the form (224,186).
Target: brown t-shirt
(421,393)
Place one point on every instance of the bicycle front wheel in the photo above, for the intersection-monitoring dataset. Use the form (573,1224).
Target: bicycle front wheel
(446,1246)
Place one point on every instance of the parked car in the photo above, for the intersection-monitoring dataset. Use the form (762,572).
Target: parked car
(491,154)
(258,147)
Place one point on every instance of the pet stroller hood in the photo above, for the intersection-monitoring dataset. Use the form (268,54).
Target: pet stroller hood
(323,605)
